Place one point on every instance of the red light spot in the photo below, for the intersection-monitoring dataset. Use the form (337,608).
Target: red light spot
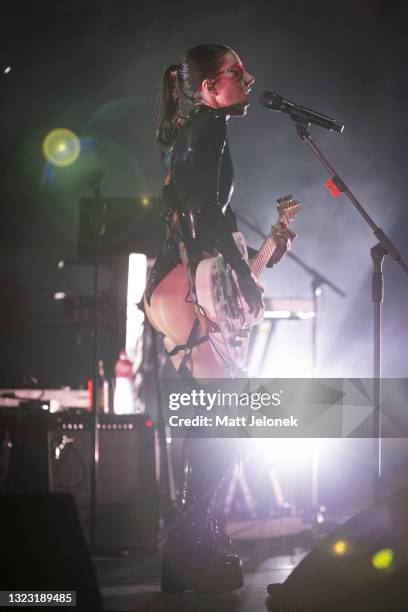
(90,395)
(149,423)
(332,187)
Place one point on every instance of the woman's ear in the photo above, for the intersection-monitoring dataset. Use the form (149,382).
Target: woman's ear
(208,86)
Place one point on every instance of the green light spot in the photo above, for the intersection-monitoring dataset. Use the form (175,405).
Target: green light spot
(61,147)
(383,558)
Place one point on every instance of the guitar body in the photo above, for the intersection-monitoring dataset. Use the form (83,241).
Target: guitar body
(220,298)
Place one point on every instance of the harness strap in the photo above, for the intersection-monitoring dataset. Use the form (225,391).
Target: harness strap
(191,342)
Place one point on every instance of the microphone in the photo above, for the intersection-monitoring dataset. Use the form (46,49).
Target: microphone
(274,101)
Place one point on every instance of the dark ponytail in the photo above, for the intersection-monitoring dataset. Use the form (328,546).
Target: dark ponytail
(170,112)
(184,79)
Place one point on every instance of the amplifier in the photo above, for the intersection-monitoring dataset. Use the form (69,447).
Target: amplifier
(55,453)
(126,502)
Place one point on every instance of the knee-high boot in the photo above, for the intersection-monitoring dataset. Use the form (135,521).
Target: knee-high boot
(198,554)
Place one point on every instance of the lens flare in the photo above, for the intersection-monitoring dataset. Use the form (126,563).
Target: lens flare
(340,547)
(383,559)
(61,147)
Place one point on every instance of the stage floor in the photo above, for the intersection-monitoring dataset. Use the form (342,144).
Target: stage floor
(270,549)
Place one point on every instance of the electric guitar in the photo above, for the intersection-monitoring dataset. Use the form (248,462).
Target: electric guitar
(221,309)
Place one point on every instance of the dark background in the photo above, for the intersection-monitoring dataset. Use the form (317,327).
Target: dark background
(95,67)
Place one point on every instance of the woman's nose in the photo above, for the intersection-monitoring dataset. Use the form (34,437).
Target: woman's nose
(249,79)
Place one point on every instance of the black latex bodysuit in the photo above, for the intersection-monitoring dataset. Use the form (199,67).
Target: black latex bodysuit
(201,186)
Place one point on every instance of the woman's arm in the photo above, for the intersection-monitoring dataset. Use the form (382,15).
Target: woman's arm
(209,140)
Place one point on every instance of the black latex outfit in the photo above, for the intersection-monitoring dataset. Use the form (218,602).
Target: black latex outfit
(197,553)
(201,186)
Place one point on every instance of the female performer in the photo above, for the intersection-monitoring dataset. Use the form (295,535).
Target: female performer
(213,83)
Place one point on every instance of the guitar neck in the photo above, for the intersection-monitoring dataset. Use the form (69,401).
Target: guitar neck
(264,254)
(287,209)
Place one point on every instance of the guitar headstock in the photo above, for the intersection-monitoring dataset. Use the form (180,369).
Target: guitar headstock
(288,208)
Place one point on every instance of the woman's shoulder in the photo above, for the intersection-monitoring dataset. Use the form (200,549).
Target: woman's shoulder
(204,129)
(205,123)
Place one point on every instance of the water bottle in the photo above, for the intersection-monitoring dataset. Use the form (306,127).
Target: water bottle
(123,400)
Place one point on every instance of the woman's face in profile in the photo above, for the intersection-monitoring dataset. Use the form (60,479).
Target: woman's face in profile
(231,85)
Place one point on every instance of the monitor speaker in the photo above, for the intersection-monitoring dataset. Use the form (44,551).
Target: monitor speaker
(362,566)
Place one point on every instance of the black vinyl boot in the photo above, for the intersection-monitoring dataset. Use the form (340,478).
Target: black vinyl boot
(197,553)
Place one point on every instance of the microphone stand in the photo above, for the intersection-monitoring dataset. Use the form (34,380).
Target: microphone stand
(94,183)
(318,280)
(384,247)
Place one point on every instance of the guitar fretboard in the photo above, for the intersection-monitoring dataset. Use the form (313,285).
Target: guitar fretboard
(263,256)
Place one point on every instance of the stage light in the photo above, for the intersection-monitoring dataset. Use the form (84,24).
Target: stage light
(305,315)
(383,559)
(61,147)
(145,201)
(340,547)
(277,314)
(7,69)
(287,453)
(59,295)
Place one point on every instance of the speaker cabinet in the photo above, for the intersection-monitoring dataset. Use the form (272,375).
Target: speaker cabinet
(126,504)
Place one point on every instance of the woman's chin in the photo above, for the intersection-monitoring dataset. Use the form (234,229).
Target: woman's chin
(239,109)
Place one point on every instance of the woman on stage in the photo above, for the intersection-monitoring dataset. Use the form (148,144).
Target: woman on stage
(200,94)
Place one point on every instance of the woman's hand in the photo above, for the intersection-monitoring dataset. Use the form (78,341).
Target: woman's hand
(283,238)
(252,293)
